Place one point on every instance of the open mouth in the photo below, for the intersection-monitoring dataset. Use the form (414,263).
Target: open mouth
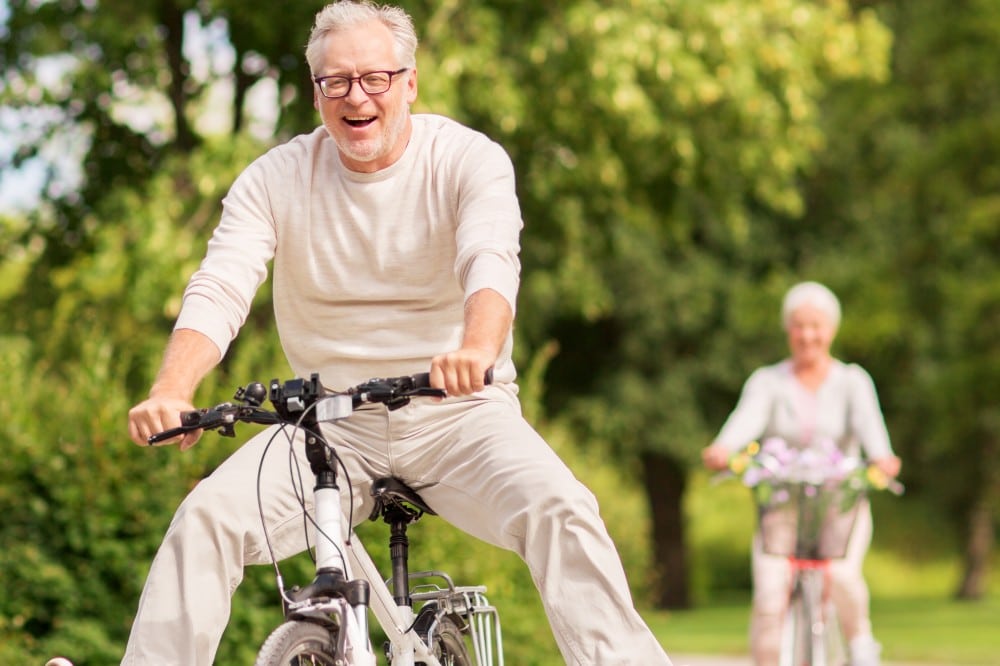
(359,121)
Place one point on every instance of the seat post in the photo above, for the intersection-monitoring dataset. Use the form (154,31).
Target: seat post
(399,549)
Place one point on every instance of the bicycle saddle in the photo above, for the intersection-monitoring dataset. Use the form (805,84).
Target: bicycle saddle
(391,492)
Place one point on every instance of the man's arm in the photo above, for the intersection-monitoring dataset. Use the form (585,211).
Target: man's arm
(188,358)
(488,318)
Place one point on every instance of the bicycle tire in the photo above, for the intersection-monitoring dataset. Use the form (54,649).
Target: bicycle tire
(796,641)
(816,618)
(448,642)
(808,637)
(297,643)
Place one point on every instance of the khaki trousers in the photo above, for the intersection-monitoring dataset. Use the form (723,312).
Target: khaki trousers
(474,460)
(772,576)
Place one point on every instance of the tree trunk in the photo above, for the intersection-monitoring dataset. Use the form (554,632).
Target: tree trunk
(978,552)
(665,480)
(171,17)
(980,532)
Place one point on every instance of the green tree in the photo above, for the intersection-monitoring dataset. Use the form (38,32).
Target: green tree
(661,149)
(914,184)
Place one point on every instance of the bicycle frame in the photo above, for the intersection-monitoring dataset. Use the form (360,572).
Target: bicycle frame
(347,582)
(395,614)
(396,620)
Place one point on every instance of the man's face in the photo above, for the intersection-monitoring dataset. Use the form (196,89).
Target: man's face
(371,131)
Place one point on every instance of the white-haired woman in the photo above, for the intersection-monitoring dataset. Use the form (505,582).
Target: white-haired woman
(809,399)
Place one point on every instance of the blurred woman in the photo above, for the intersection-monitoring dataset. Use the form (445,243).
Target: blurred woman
(806,399)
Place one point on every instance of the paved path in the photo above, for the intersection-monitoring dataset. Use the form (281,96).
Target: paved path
(737,660)
(709,660)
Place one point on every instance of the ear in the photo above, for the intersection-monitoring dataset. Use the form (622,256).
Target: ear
(316,97)
(411,87)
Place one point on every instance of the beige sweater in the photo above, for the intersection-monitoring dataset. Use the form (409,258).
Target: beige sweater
(371,271)
(845,409)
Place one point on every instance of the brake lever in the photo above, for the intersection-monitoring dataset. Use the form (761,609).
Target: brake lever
(199,419)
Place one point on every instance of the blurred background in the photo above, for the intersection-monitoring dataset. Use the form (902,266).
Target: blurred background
(680,164)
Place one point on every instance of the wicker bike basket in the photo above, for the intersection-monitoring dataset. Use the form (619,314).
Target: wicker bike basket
(808,520)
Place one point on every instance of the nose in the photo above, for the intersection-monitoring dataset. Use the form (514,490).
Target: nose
(356,94)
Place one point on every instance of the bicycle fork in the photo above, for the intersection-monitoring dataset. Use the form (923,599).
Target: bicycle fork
(334,591)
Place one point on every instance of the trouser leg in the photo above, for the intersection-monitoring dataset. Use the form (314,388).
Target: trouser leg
(215,533)
(849,589)
(476,462)
(494,477)
(771,586)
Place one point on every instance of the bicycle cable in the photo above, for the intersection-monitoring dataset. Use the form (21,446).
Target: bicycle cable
(298,485)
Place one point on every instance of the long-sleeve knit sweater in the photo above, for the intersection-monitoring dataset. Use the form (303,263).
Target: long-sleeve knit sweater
(844,408)
(371,270)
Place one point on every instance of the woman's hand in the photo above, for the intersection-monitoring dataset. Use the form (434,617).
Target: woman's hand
(715,457)
(890,465)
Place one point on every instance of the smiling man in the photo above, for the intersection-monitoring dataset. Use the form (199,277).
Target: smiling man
(394,240)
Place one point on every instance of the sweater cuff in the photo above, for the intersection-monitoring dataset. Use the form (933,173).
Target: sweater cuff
(200,314)
(491,271)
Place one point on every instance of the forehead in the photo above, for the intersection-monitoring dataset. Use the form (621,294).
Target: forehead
(808,313)
(360,48)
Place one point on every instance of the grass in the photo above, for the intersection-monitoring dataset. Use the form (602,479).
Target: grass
(719,628)
(914,630)
(939,631)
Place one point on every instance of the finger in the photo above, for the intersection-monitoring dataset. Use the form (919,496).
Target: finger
(436,374)
(463,379)
(190,439)
(477,377)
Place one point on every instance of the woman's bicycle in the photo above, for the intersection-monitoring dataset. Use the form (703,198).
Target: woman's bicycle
(427,618)
(807,503)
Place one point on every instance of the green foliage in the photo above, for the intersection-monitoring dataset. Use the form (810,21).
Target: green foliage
(84,509)
(680,164)
(656,187)
(911,191)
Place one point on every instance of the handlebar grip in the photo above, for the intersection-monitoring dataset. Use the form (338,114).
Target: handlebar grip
(167,434)
(194,420)
(423,379)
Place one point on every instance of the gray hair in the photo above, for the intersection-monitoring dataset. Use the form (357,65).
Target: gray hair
(344,14)
(814,294)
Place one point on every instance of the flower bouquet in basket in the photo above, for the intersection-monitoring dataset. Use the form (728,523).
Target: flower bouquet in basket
(808,497)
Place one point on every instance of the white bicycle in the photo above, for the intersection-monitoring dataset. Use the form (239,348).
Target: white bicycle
(427,618)
(807,501)
(811,528)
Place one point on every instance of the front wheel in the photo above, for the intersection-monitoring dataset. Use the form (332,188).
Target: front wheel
(806,633)
(796,641)
(448,643)
(296,643)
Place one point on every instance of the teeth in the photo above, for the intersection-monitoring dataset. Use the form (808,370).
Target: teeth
(359,118)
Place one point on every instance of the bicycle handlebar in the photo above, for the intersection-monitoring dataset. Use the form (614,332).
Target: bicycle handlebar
(293,398)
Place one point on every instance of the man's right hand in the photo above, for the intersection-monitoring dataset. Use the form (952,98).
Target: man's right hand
(157,414)
(189,355)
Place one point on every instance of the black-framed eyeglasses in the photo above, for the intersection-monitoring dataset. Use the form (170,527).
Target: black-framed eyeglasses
(373,83)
